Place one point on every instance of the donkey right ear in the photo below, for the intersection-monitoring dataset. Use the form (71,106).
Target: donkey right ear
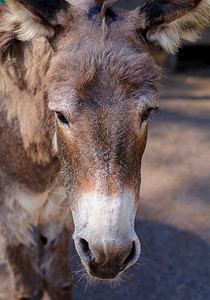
(167,22)
(37,17)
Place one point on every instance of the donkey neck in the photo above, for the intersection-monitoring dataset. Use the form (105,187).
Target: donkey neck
(26,123)
(22,97)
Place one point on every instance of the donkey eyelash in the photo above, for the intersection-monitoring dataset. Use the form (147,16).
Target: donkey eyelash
(147,113)
(157,111)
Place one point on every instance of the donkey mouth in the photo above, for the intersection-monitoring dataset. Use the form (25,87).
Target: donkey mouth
(104,272)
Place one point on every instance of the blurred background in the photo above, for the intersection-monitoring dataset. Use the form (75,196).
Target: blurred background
(174,212)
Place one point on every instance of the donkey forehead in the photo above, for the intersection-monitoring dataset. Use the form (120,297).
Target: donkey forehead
(103,72)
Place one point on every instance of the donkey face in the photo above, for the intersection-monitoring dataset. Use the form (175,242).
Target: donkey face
(102,85)
(102,113)
(101,132)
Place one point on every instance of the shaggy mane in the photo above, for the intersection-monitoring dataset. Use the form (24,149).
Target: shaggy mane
(105,4)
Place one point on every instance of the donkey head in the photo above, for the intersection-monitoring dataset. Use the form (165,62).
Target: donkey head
(102,84)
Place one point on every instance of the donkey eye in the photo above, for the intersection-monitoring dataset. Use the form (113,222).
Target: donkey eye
(146,114)
(61,118)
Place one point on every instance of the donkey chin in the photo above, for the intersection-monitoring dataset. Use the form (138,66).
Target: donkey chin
(104,235)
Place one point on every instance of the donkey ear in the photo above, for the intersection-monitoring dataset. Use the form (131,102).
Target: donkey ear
(167,22)
(36,17)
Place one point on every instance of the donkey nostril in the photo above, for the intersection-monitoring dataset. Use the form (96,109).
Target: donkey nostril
(85,248)
(131,255)
(84,245)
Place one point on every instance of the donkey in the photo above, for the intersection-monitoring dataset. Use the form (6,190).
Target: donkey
(77,86)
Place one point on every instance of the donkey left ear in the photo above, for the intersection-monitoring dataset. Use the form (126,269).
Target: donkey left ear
(167,22)
(36,17)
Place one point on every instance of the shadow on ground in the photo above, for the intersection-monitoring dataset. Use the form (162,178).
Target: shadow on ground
(173,265)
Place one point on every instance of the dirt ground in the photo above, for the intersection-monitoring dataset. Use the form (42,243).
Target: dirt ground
(174,211)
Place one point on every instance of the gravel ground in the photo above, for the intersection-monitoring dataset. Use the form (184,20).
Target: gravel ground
(174,213)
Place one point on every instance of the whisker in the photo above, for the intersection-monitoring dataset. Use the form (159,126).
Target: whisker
(138,267)
(157,254)
(132,284)
(73,257)
(155,263)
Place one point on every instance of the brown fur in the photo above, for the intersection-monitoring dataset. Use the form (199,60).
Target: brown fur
(27,281)
(91,64)
(56,267)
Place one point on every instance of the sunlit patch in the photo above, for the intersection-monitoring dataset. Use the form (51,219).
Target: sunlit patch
(54,143)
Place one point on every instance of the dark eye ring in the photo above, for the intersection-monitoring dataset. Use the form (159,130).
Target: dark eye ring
(62,118)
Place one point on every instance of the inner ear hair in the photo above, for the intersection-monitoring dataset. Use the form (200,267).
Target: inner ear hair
(35,17)
(166,23)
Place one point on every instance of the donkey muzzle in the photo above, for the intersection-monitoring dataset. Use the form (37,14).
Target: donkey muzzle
(107,259)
